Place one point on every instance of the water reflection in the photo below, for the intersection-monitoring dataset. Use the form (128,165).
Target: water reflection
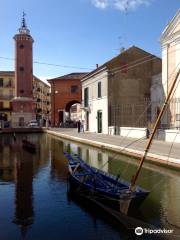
(35,203)
(162,207)
(92,156)
(24,213)
(58,161)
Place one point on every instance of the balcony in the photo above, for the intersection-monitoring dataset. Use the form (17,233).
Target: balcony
(6,97)
(9,85)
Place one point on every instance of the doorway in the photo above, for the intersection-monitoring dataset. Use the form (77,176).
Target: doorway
(61,117)
(21,122)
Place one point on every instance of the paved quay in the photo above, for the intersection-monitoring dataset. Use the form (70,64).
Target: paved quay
(160,152)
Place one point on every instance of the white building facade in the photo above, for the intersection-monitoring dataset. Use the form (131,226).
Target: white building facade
(170,43)
(95,101)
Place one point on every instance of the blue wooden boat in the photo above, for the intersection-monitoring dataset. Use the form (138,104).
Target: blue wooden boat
(103,187)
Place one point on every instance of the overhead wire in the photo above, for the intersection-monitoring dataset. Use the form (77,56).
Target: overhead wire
(130,64)
(50,64)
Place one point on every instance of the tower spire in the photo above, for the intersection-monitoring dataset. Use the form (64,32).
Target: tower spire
(23,29)
(23,24)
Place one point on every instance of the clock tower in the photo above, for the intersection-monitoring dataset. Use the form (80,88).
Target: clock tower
(23,107)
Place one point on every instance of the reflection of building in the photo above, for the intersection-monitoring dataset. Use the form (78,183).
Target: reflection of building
(58,160)
(24,193)
(117,93)
(41,95)
(6,161)
(170,43)
(65,92)
(171,205)
(92,156)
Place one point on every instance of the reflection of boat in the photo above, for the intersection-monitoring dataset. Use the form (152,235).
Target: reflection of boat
(104,187)
(28,145)
(103,211)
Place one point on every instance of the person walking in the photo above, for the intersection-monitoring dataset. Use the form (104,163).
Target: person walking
(79,126)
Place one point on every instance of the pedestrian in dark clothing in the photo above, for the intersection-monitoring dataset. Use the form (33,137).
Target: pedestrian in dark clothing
(79,126)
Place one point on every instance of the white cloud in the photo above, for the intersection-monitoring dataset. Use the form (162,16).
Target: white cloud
(122,5)
(101,3)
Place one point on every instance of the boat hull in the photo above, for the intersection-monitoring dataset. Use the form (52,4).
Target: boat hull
(126,206)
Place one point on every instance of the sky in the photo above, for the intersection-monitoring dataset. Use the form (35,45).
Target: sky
(78,34)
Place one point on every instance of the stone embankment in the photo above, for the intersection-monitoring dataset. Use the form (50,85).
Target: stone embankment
(161,152)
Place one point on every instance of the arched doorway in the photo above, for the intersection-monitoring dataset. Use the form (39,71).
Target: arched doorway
(69,116)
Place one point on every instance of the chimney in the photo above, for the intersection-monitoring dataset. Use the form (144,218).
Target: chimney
(97,65)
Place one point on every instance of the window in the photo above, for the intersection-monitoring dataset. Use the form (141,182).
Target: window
(6,104)
(1,82)
(21,69)
(99,90)
(177,117)
(11,93)
(21,46)
(86,97)
(10,82)
(74,89)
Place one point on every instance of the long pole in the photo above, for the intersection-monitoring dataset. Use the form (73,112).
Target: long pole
(134,178)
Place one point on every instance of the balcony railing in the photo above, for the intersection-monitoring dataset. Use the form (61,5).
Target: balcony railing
(6,97)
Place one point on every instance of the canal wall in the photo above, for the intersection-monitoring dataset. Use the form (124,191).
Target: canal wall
(21,130)
(158,159)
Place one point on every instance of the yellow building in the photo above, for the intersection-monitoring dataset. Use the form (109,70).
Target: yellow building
(41,93)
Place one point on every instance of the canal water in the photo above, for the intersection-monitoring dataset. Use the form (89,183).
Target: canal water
(35,203)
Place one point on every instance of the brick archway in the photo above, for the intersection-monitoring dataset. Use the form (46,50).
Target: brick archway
(69,104)
(65,91)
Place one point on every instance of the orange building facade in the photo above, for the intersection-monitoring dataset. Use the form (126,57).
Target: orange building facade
(65,92)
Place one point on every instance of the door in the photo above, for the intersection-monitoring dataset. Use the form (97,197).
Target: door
(99,121)
(21,122)
(61,117)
